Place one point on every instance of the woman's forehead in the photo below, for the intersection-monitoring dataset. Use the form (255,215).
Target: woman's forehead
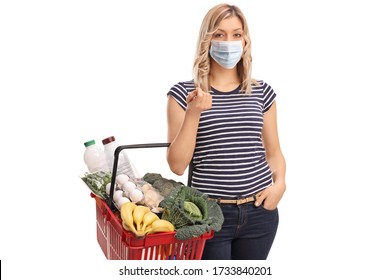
(231,24)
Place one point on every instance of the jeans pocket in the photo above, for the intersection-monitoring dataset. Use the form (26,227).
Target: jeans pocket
(268,210)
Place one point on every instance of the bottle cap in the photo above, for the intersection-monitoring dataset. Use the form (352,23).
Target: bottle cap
(89,143)
(108,140)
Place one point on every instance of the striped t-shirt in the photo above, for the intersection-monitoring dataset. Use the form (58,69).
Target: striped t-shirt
(229,158)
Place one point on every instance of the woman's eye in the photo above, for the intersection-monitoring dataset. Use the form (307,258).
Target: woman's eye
(238,35)
(218,35)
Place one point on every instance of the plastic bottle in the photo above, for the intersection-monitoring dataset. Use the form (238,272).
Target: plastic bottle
(124,164)
(94,157)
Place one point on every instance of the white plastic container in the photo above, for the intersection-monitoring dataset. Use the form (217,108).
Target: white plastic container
(94,157)
(124,164)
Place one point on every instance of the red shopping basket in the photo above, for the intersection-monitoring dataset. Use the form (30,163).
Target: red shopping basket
(119,244)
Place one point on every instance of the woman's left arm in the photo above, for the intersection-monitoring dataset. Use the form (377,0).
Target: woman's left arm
(271,196)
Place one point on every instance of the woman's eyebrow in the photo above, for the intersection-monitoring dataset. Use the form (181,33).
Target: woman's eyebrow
(237,29)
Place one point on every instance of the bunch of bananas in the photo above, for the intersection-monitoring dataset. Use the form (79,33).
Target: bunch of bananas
(141,221)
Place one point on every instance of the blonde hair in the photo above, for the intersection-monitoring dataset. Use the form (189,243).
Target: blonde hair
(201,68)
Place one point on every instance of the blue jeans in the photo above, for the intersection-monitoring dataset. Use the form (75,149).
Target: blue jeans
(247,233)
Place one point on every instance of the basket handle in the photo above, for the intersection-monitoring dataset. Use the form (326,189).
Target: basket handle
(116,159)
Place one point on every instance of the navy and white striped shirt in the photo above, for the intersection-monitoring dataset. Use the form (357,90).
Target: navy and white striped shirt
(229,158)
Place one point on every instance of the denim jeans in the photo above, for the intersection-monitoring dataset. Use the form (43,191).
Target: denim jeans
(247,233)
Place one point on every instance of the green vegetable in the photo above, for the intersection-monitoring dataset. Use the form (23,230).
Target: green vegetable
(165,186)
(151,178)
(97,182)
(190,211)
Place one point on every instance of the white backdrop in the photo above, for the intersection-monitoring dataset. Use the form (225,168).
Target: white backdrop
(71,71)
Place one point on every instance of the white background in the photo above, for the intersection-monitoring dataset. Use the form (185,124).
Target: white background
(71,71)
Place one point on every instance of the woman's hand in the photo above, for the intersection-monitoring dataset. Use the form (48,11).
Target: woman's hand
(198,101)
(271,196)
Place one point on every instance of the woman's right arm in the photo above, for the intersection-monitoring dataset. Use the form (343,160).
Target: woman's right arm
(183,127)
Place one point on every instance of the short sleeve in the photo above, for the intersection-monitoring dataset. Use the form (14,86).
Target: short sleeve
(268,96)
(179,93)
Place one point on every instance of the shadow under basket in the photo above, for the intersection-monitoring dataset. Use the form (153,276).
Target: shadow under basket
(119,244)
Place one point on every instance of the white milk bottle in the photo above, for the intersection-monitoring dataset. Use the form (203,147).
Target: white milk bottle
(94,157)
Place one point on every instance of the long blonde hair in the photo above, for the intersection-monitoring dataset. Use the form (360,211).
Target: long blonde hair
(201,68)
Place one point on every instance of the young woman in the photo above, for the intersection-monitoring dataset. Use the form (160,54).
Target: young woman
(225,123)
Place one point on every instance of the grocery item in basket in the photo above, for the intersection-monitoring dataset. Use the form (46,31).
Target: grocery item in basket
(94,157)
(148,219)
(117,195)
(124,164)
(152,197)
(97,182)
(163,185)
(136,195)
(121,179)
(159,225)
(189,210)
(122,201)
(138,215)
(108,188)
(129,188)
(139,220)
(126,212)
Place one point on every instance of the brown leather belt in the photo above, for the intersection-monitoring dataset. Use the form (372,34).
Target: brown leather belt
(238,201)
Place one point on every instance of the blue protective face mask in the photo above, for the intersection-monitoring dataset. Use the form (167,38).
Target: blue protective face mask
(226,53)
